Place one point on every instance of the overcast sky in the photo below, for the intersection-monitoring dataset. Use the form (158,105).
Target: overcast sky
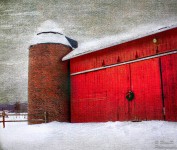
(83,20)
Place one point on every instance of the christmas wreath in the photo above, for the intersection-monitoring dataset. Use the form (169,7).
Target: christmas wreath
(130,96)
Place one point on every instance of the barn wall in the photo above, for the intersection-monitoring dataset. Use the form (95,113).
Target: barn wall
(169,78)
(166,41)
(101,95)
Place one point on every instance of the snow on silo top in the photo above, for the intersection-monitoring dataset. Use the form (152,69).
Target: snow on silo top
(49,32)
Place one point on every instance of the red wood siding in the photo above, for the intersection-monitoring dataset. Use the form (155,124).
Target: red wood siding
(100,95)
(89,102)
(146,85)
(121,78)
(169,77)
(128,51)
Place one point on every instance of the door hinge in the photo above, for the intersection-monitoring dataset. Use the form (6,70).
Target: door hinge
(164,111)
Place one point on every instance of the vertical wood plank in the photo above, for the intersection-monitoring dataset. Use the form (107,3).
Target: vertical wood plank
(169,77)
(123,85)
(146,85)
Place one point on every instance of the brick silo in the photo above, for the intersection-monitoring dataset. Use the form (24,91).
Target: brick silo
(48,81)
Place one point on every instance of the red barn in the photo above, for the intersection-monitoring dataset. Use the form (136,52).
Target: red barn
(132,80)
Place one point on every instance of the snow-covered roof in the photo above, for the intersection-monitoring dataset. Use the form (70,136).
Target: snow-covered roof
(53,37)
(49,32)
(100,44)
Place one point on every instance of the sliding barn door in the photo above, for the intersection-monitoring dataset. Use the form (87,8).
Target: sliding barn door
(169,78)
(146,85)
(101,95)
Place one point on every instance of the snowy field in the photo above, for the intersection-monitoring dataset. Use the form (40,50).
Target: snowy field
(149,135)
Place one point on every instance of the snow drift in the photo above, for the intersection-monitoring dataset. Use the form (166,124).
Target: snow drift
(149,135)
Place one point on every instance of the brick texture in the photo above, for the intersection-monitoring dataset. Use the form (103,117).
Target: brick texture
(48,83)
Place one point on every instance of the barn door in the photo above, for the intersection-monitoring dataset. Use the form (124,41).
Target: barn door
(89,98)
(143,79)
(122,85)
(146,85)
(169,78)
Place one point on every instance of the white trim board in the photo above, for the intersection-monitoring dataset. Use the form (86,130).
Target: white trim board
(124,63)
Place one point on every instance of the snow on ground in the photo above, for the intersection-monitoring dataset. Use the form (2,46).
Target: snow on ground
(148,135)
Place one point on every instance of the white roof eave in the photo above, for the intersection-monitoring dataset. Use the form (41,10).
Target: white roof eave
(77,53)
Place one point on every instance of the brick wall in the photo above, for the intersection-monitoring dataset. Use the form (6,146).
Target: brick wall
(48,82)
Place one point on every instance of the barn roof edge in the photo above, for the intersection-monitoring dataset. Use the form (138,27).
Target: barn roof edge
(162,29)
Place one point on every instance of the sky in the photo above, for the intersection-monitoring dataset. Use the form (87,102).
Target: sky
(83,20)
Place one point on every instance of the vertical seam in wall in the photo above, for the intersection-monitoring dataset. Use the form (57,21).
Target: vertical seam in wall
(162,90)
(130,88)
